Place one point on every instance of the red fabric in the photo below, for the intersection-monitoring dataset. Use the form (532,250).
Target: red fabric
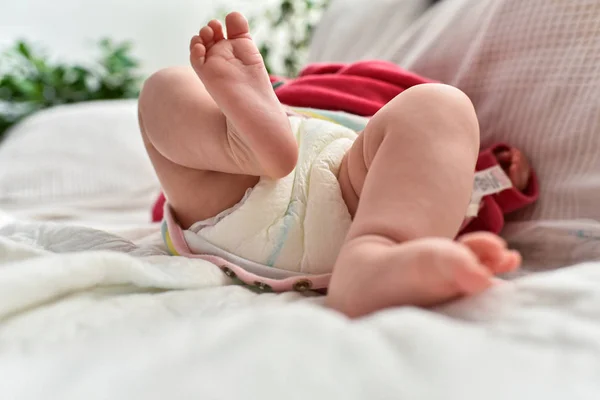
(158,208)
(363,88)
(491,214)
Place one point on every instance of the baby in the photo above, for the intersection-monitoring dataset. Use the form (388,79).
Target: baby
(221,142)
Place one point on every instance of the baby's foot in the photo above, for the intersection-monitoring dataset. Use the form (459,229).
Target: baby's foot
(373,273)
(234,74)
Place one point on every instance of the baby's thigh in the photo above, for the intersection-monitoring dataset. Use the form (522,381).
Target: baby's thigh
(357,161)
(352,174)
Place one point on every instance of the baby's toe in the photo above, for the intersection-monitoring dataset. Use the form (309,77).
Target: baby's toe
(511,261)
(207,35)
(217,28)
(197,51)
(469,275)
(237,25)
(490,249)
(194,41)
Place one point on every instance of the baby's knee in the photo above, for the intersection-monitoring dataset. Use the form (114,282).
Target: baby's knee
(434,104)
(157,86)
(437,96)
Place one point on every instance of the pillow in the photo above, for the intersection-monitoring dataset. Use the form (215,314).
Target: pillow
(86,155)
(352,30)
(532,69)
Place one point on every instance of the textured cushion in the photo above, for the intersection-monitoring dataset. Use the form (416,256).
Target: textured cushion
(532,68)
(84,156)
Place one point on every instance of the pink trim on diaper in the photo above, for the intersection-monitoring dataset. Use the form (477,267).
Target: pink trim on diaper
(293,283)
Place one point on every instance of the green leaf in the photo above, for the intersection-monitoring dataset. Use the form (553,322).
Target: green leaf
(31,82)
(23,49)
(293,20)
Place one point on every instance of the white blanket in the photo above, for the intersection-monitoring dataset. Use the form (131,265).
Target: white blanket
(79,322)
(135,323)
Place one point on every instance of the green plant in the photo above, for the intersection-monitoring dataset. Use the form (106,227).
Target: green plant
(288,30)
(32,82)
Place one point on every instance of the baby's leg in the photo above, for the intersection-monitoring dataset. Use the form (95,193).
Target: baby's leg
(212,130)
(412,171)
(182,129)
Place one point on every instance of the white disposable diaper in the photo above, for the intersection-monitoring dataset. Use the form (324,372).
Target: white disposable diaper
(297,223)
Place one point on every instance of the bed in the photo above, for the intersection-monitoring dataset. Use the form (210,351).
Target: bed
(92,307)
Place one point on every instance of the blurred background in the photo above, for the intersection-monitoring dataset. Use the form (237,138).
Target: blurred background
(67,51)
(159,30)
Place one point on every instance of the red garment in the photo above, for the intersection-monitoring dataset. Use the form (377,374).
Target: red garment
(495,206)
(363,88)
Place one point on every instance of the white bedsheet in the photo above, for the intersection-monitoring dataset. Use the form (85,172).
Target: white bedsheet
(135,323)
(87,314)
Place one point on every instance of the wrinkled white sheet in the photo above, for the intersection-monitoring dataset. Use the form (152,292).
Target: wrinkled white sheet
(134,323)
(86,314)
